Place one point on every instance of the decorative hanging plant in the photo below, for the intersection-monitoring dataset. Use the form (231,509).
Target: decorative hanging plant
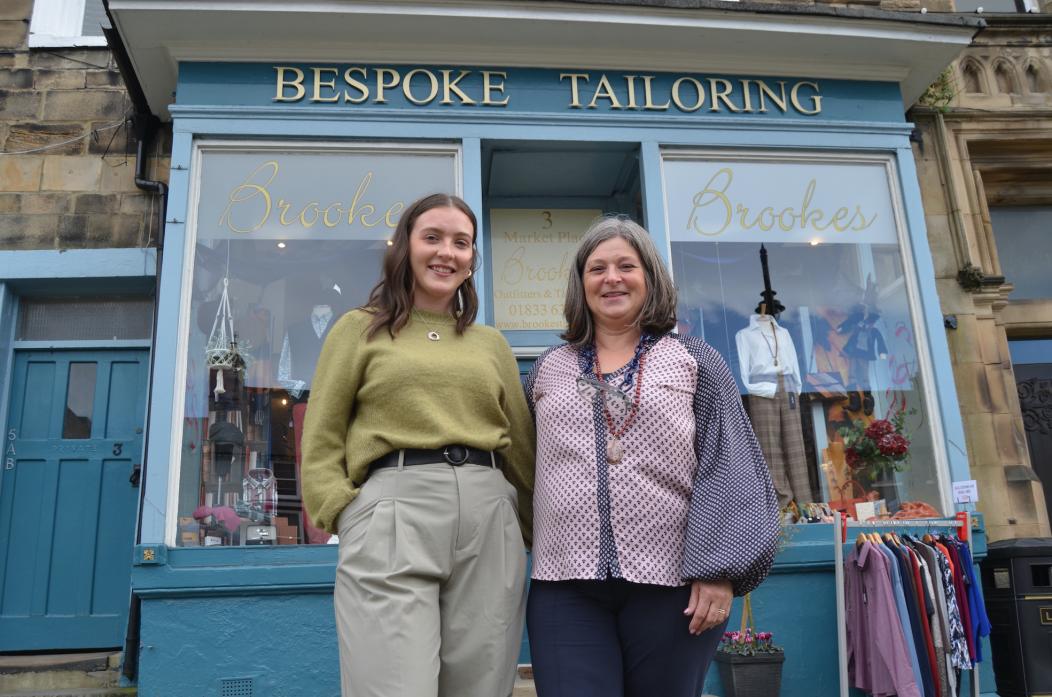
(221,350)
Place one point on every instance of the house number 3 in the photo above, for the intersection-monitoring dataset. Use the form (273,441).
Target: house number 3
(9,452)
(117,448)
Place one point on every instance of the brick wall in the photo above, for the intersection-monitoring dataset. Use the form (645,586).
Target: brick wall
(67,172)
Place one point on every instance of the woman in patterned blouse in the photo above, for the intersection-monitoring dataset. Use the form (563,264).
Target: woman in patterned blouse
(653,504)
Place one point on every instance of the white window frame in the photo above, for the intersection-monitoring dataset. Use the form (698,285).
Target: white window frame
(201,147)
(58,23)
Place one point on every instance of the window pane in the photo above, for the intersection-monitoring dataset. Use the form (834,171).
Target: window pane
(94,18)
(80,401)
(287,240)
(1024,246)
(841,353)
(47,319)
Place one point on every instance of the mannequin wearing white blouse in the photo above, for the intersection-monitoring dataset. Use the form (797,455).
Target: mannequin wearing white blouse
(771,373)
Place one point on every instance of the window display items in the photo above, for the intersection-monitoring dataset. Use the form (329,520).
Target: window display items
(771,374)
(259,501)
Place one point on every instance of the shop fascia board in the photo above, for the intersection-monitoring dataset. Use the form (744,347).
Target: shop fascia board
(854,45)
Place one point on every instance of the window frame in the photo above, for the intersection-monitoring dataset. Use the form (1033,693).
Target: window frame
(200,147)
(58,24)
(890,163)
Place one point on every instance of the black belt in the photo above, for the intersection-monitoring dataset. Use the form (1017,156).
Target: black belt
(455,455)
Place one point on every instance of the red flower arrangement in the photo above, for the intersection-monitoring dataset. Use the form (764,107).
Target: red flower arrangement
(876,449)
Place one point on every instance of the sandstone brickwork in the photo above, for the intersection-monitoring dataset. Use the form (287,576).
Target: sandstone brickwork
(67,172)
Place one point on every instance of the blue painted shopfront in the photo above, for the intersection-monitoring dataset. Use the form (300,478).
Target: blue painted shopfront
(213,617)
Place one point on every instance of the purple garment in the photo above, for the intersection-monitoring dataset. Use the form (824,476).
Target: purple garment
(877,659)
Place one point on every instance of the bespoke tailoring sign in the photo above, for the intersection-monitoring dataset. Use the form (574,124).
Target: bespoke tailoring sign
(317,193)
(776,200)
(587,90)
(532,254)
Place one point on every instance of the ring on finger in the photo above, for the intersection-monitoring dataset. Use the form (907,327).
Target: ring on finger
(721,611)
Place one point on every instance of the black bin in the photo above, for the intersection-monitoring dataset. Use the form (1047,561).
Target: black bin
(1017,585)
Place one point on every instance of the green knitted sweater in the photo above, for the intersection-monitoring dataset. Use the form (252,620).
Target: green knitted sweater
(371,397)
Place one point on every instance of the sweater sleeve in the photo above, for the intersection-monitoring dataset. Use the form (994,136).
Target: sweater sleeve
(325,484)
(520,454)
(732,522)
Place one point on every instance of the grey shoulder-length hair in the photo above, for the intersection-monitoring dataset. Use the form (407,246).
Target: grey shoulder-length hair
(658,314)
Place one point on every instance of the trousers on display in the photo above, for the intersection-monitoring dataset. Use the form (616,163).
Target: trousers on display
(776,422)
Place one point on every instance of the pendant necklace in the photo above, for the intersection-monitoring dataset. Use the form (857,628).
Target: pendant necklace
(614,451)
(774,351)
(433,334)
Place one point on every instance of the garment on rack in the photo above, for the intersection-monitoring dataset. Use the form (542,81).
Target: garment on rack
(927,607)
(878,662)
(962,594)
(980,621)
(942,634)
(916,603)
(904,615)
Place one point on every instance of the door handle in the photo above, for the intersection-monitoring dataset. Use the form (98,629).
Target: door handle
(135,475)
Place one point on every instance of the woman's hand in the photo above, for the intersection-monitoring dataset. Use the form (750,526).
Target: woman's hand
(710,604)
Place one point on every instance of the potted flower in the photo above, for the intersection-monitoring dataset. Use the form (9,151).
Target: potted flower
(750,663)
(876,451)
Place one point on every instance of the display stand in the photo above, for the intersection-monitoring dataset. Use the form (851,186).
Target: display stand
(960,526)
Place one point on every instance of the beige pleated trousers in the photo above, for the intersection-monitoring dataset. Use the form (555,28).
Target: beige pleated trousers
(430,585)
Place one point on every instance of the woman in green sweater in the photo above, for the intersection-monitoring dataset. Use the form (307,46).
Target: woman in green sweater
(418,452)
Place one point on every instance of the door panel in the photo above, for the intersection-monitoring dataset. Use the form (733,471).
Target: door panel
(67,508)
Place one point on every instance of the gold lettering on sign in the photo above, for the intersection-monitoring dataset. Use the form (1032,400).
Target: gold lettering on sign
(715,197)
(778,99)
(678,101)
(283,82)
(816,100)
(721,90)
(489,86)
(604,91)
(382,84)
(362,88)
(649,96)
(449,86)
(575,94)
(407,86)
(630,81)
(319,83)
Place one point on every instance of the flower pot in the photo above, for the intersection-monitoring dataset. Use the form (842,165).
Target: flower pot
(750,676)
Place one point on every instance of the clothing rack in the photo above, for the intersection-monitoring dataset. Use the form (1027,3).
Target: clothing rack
(961,525)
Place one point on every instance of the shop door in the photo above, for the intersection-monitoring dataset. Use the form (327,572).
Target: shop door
(68,496)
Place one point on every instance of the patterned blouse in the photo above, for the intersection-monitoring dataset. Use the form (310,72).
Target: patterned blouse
(690,499)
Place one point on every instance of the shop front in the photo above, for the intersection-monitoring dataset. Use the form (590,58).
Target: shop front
(782,195)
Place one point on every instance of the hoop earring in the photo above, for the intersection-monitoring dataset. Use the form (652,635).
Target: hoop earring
(459,309)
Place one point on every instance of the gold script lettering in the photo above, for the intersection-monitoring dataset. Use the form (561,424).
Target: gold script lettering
(246,191)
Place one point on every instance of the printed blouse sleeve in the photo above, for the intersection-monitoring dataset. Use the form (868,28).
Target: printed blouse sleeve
(326,486)
(732,523)
(530,383)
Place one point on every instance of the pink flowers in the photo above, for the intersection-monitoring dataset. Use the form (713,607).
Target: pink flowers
(748,644)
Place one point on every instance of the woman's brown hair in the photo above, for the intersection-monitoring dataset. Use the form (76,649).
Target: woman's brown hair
(391,300)
(658,314)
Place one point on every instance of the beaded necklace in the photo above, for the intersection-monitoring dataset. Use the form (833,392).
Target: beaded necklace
(614,451)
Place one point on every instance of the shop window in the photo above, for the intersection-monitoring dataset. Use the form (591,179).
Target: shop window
(539,198)
(794,270)
(1023,235)
(1032,365)
(285,239)
(62,23)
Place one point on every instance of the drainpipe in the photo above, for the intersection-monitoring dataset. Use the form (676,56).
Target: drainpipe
(144,127)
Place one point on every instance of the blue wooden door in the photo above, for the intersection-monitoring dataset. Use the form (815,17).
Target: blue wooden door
(68,497)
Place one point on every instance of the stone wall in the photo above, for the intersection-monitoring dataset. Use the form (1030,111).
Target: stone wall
(67,172)
(990,145)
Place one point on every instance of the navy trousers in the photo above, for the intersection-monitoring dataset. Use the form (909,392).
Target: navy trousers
(613,638)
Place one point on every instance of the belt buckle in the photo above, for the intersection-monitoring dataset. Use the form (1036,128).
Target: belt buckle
(455,455)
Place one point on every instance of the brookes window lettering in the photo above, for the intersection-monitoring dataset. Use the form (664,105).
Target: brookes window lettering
(284,240)
(791,267)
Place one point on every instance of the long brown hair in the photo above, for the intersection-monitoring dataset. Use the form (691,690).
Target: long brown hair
(658,314)
(391,300)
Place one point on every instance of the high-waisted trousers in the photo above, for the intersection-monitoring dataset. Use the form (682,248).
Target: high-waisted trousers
(429,590)
(776,422)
